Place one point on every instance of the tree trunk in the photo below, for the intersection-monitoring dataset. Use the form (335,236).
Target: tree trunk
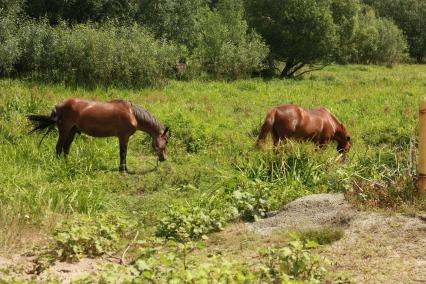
(291,67)
(286,73)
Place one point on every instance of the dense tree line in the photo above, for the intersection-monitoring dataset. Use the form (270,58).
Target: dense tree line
(145,41)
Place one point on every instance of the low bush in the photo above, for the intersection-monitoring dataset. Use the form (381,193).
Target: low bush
(88,237)
(188,223)
(175,263)
(323,236)
(377,40)
(295,262)
(225,48)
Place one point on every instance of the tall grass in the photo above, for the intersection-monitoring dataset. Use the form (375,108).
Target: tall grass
(212,158)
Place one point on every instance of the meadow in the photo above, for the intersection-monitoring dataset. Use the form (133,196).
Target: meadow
(214,175)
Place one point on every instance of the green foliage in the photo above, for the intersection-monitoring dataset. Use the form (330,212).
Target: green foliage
(176,20)
(298,32)
(81,11)
(218,40)
(225,48)
(410,16)
(323,236)
(386,179)
(191,133)
(346,17)
(296,261)
(9,44)
(188,223)
(251,200)
(88,237)
(174,262)
(92,54)
(37,189)
(377,40)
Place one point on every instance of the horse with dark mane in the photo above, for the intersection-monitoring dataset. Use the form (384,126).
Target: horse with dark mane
(318,125)
(102,119)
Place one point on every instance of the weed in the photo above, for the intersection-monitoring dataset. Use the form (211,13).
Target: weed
(323,236)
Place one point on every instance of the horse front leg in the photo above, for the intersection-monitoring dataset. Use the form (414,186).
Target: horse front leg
(123,154)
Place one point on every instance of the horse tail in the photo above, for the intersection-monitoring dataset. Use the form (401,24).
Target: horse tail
(266,127)
(43,123)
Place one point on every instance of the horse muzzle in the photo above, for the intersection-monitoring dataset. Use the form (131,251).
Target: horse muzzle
(162,158)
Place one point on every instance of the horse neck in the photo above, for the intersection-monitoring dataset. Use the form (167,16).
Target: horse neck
(147,123)
(152,130)
(340,133)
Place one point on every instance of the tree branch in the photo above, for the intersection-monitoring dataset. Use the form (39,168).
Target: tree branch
(310,70)
(298,67)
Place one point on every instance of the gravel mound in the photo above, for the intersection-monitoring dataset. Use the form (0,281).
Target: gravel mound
(310,212)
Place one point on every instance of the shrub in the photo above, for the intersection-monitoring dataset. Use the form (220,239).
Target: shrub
(410,16)
(176,20)
(88,237)
(184,224)
(251,200)
(225,47)
(192,133)
(377,40)
(81,11)
(89,53)
(296,261)
(9,43)
(171,262)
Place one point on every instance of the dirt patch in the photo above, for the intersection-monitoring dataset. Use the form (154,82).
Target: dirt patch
(67,272)
(20,267)
(310,212)
(376,248)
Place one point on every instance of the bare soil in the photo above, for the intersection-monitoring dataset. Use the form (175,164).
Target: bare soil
(376,247)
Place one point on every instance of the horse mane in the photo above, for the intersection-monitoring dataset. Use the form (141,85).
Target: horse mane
(143,116)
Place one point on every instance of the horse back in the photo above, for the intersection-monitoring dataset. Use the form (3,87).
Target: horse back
(295,121)
(99,119)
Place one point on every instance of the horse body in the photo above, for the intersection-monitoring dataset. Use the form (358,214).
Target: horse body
(98,119)
(317,125)
(102,119)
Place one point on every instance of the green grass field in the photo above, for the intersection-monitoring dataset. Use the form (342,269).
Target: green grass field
(211,151)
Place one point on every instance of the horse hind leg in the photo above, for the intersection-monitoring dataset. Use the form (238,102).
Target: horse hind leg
(69,140)
(266,127)
(276,137)
(64,132)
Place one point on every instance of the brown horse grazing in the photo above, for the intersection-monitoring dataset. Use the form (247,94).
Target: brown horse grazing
(102,119)
(317,125)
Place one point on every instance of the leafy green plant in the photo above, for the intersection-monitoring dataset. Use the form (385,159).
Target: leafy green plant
(162,262)
(296,261)
(250,199)
(323,236)
(187,223)
(88,237)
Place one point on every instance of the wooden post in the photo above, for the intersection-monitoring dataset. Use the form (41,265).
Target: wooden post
(422,149)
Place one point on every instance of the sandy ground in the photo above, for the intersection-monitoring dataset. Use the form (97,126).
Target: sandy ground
(19,267)
(375,248)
